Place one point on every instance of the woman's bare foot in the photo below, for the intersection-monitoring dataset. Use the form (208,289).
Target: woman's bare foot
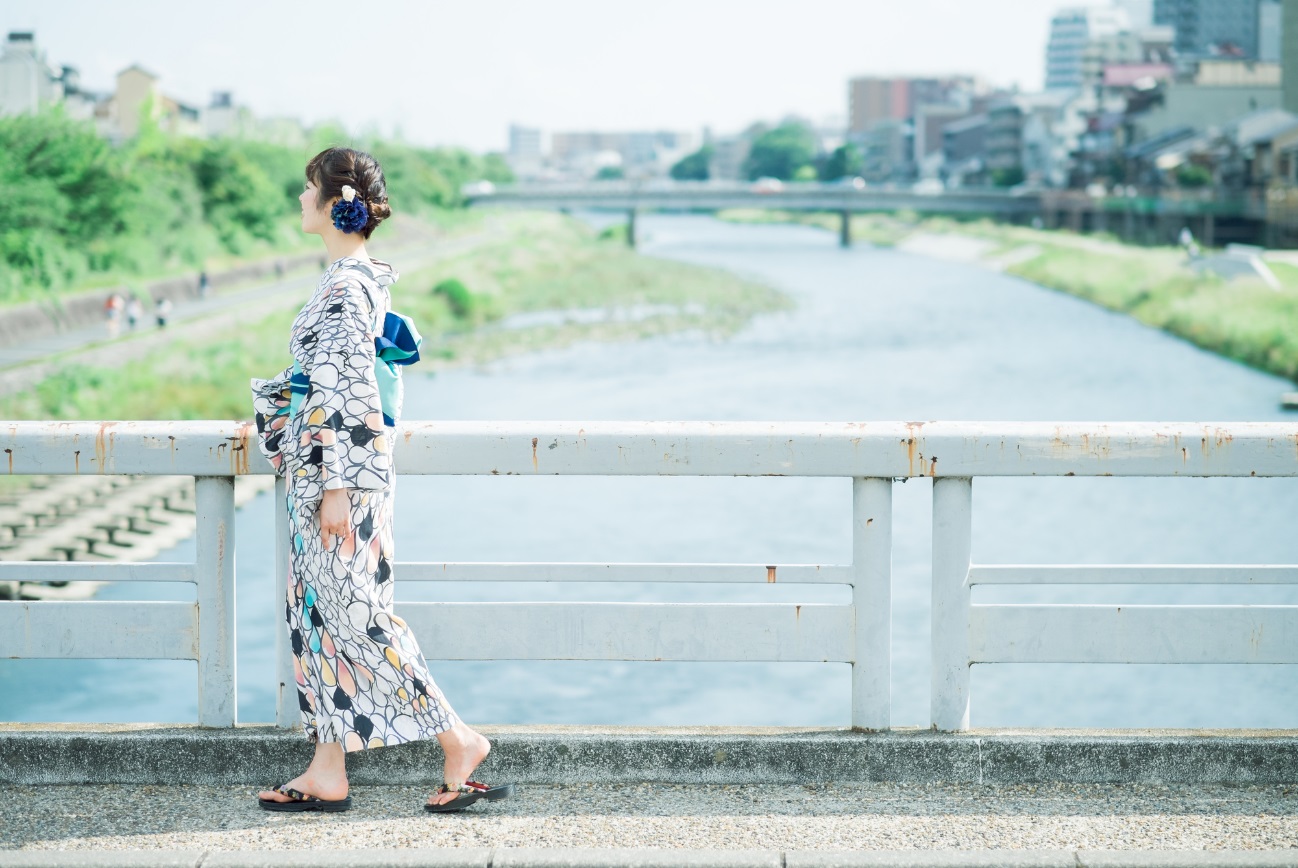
(325,778)
(465,749)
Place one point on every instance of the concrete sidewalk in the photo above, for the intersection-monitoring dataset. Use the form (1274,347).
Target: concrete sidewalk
(664,824)
(613,796)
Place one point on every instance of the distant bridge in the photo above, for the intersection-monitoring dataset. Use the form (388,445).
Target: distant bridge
(1154,219)
(708,196)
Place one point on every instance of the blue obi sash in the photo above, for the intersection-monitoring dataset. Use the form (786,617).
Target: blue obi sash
(397,344)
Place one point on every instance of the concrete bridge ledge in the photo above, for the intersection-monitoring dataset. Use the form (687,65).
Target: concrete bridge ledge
(32,754)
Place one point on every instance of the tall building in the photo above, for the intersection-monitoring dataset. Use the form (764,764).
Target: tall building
(1289,58)
(526,156)
(27,81)
(1140,13)
(1270,30)
(1205,28)
(1071,33)
(874,100)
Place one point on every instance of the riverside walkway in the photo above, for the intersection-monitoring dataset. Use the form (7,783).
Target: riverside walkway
(608,796)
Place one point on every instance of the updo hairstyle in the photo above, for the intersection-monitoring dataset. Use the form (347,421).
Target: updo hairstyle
(333,168)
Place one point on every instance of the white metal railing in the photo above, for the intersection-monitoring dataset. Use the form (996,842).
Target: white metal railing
(873,455)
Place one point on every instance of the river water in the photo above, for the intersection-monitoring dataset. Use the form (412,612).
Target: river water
(875,335)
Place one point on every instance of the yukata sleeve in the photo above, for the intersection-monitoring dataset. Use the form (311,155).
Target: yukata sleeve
(343,416)
(270,404)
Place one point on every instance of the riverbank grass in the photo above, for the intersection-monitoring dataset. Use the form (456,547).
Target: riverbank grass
(529,263)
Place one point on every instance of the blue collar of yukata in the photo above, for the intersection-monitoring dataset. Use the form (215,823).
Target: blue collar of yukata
(349,213)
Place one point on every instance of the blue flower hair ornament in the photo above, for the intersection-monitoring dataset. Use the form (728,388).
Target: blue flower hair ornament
(349,213)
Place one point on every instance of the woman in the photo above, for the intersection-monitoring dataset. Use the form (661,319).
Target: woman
(362,681)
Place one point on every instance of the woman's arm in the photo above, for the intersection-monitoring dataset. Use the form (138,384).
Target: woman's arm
(342,414)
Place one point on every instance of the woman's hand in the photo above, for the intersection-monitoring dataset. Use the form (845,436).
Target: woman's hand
(334,515)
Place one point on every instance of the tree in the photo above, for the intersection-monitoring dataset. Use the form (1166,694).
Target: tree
(780,152)
(693,167)
(610,173)
(1193,176)
(846,161)
(1007,177)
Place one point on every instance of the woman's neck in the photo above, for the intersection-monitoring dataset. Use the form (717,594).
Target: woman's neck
(340,245)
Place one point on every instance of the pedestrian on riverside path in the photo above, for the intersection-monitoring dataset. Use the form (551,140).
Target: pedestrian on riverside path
(134,312)
(202,284)
(362,681)
(113,313)
(162,310)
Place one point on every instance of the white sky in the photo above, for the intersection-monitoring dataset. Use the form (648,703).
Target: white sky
(460,73)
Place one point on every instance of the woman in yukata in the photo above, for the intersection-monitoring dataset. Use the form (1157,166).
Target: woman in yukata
(328,427)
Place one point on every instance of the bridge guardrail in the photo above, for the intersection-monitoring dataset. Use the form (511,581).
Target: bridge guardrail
(873,455)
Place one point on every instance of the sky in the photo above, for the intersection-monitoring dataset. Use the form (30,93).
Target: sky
(441,73)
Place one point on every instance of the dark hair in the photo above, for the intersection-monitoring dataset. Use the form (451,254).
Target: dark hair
(332,168)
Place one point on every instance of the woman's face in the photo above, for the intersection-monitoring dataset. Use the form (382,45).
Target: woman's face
(314,220)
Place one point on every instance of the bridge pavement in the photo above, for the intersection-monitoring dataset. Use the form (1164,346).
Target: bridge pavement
(175,795)
(686,823)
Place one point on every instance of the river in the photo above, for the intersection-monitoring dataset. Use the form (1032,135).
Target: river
(875,335)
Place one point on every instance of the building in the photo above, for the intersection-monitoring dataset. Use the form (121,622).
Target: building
(1034,136)
(638,153)
(223,118)
(525,154)
(897,123)
(1124,48)
(1140,13)
(1206,28)
(886,151)
(1289,57)
(1220,91)
(964,146)
(1270,30)
(1071,32)
(930,120)
(729,153)
(873,100)
(27,81)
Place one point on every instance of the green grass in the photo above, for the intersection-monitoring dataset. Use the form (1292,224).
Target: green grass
(1243,319)
(532,262)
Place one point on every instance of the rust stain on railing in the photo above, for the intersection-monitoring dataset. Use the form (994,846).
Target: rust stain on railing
(104,444)
(770,575)
(239,451)
(535,465)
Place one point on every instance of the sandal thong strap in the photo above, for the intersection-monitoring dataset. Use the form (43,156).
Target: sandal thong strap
(466,788)
(297,795)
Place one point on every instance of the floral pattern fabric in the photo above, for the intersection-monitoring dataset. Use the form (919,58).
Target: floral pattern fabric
(362,679)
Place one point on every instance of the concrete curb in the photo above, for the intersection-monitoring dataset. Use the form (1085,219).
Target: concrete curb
(71,754)
(643,858)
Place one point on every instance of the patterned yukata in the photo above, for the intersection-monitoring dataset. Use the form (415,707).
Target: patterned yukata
(361,677)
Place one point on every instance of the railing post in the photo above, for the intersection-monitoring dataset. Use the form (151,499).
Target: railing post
(952,529)
(287,715)
(872,602)
(214,573)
